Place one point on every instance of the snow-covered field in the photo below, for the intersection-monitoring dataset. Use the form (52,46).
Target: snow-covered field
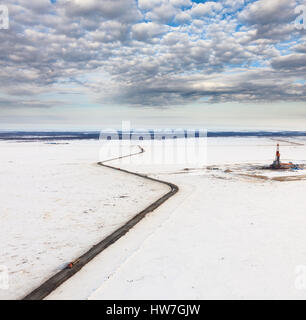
(226,234)
(223,235)
(56,202)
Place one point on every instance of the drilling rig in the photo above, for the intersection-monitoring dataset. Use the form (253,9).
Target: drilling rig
(276,163)
(281,165)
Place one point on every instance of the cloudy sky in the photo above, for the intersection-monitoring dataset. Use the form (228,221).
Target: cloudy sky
(88,64)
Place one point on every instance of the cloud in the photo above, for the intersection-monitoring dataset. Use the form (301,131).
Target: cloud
(181,3)
(243,86)
(162,14)
(29,103)
(290,62)
(183,17)
(207,8)
(145,31)
(300,47)
(154,53)
(273,20)
(111,31)
(149,4)
(108,9)
(268,12)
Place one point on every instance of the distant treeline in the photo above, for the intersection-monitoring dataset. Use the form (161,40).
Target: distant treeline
(95,135)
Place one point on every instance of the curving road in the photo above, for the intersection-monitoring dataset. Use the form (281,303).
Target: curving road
(72,268)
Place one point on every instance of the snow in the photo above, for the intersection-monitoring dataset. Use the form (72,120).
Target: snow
(223,236)
(226,234)
(56,202)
